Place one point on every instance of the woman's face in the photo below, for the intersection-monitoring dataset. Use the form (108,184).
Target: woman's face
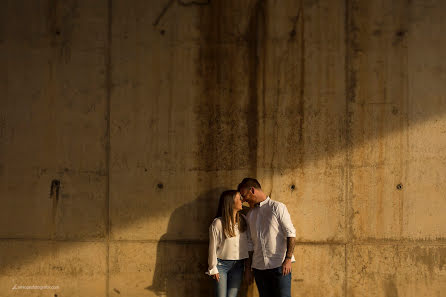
(237,202)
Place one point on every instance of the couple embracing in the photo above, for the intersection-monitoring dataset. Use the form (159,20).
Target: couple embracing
(258,245)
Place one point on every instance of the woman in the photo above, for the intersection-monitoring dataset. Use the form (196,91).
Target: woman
(228,245)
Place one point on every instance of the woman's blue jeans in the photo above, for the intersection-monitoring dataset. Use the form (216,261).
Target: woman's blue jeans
(231,274)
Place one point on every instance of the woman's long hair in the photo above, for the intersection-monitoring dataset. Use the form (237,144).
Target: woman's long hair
(225,211)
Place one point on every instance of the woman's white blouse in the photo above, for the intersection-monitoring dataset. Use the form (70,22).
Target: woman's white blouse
(231,248)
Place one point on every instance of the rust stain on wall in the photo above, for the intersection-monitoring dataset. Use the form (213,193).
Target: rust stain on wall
(390,289)
(61,23)
(433,259)
(256,36)
(226,110)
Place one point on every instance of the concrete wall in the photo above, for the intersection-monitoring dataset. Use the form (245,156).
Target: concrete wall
(145,111)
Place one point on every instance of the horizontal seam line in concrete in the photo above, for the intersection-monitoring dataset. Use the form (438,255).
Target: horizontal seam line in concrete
(189,241)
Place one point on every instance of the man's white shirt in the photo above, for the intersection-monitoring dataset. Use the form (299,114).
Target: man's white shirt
(269,226)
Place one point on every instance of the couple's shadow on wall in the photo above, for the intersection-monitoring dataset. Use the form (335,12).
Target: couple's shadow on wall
(182,253)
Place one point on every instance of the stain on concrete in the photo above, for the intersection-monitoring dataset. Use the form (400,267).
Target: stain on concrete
(294,20)
(61,22)
(54,195)
(181,3)
(163,12)
(226,110)
(256,36)
(390,289)
(54,189)
(353,50)
(400,35)
(193,2)
(432,258)
(301,103)
(293,116)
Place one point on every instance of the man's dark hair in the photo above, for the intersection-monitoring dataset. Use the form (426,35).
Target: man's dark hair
(248,182)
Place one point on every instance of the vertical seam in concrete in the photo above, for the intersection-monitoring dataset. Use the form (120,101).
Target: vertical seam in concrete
(107,161)
(301,104)
(406,112)
(347,143)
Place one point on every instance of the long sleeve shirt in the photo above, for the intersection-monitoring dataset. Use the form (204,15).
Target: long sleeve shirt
(226,248)
(269,226)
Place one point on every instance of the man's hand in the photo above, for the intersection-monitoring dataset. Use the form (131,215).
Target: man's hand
(216,277)
(248,272)
(286,266)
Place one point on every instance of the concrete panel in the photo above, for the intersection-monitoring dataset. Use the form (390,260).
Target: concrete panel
(53,112)
(377,203)
(319,270)
(425,205)
(152,121)
(396,121)
(303,105)
(427,122)
(76,268)
(159,269)
(396,270)
(378,90)
(316,203)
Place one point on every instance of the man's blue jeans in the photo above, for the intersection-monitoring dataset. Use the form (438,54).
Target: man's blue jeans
(271,282)
(231,274)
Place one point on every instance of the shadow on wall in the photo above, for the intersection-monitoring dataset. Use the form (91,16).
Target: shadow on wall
(181,263)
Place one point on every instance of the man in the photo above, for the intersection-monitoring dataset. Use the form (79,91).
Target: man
(273,236)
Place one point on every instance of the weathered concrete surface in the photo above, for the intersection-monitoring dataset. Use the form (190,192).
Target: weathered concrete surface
(52,114)
(75,267)
(397,121)
(396,270)
(147,269)
(337,107)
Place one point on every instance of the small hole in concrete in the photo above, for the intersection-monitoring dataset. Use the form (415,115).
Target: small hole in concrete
(162,32)
(57,32)
(399,186)
(401,33)
(160,186)
(292,187)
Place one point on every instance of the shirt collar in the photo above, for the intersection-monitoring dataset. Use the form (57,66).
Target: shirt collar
(260,204)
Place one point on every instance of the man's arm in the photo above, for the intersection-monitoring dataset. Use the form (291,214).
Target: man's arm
(286,265)
(290,243)
(289,231)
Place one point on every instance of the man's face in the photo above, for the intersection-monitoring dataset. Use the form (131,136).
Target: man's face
(247,195)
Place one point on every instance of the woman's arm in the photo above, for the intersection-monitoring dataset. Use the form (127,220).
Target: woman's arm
(212,255)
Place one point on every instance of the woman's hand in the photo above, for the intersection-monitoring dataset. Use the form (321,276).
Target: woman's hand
(216,277)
